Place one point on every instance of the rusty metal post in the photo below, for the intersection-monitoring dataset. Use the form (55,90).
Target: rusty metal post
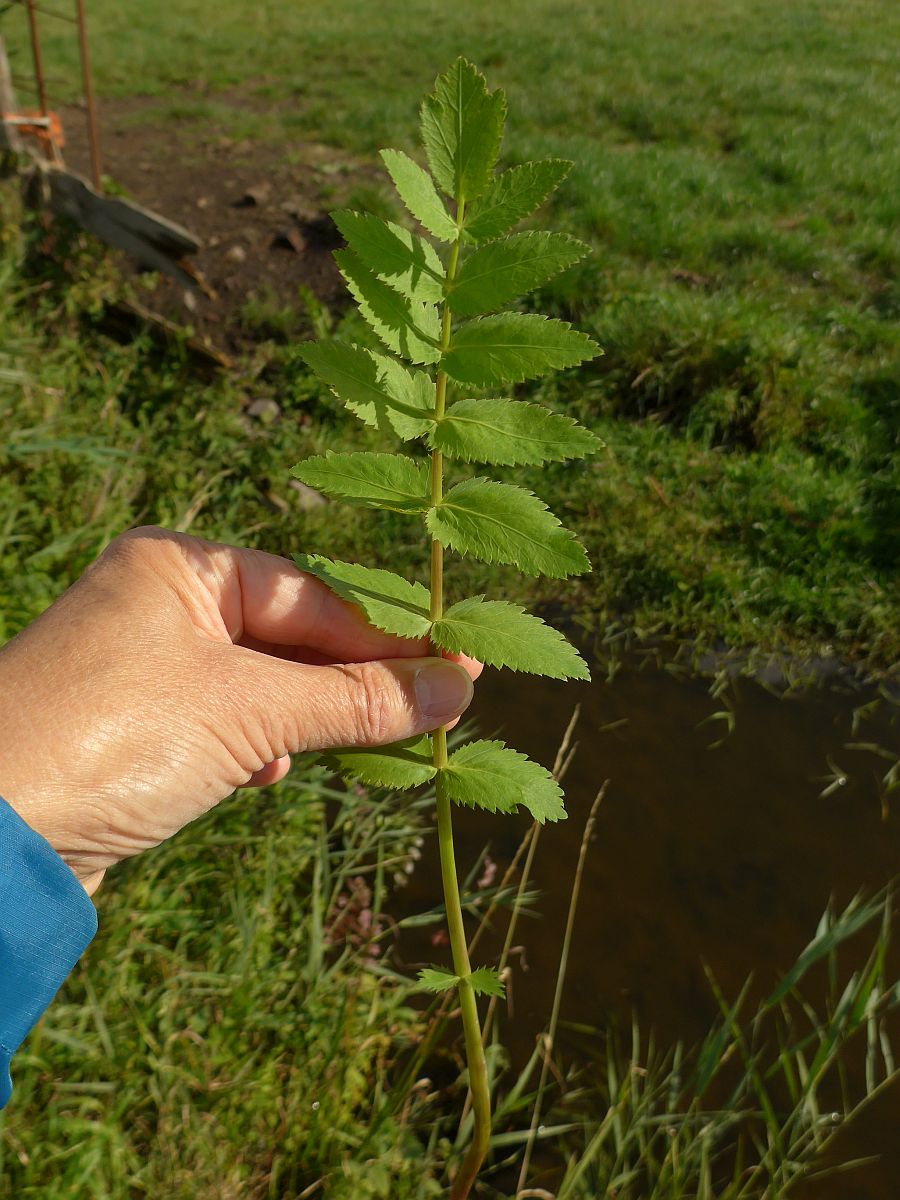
(40,80)
(93,139)
(36,56)
(48,12)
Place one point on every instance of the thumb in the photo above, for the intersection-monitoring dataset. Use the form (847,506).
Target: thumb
(360,704)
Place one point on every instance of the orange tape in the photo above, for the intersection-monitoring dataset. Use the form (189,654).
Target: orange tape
(46,129)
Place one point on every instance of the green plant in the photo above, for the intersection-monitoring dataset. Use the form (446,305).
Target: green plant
(429,308)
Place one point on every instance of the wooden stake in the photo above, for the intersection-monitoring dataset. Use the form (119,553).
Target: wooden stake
(9,135)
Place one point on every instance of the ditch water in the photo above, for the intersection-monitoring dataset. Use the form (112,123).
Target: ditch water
(725,854)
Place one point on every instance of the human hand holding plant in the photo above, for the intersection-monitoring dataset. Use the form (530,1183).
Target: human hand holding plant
(421,303)
(176,670)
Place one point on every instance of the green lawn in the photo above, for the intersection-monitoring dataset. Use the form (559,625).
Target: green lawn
(736,169)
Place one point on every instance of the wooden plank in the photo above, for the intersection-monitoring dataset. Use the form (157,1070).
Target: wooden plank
(126,317)
(156,243)
(9,135)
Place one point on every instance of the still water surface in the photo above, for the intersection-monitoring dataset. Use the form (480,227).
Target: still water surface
(721,854)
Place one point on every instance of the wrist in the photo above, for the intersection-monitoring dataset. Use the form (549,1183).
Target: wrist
(28,781)
(29,813)
(89,878)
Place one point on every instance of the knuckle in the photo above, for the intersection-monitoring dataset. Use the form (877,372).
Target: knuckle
(376,709)
(136,545)
(137,536)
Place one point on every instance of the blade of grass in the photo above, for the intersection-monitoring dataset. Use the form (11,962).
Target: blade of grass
(560,985)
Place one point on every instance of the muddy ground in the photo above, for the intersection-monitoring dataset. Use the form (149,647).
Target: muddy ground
(259,210)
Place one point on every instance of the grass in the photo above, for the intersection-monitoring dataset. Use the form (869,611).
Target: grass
(227,1034)
(751,1111)
(735,174)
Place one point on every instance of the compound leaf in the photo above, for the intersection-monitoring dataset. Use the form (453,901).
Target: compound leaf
(408,327)
(408,263)
(433,979)
(486,981)
(416,189)
(513,195)
(498,272)
(509,432)
(499,522)
(388,602)
(501,634)
(401,766)
(490,775)
(511,347)
(462,123)
(373,480)
(377,388)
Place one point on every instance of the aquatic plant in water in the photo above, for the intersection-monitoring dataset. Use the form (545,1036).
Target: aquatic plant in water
(436,304)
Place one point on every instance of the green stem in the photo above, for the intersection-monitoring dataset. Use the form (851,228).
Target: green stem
(478,1076)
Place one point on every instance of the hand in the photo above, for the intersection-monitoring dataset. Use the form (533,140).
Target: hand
(176,670)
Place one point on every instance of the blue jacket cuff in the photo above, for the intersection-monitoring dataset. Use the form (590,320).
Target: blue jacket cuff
(46,922)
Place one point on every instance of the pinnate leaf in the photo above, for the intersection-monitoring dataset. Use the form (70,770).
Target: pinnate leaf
(501,634)
(486,981)
(513,195)
(498,272)
(492,776)
(433,979)
(408,327)
(377,388)
(499,522)
(373,480)
(402,765)
(510,432)
(408,263)
(511,347)
(388,602)
(462,124)
(416,189)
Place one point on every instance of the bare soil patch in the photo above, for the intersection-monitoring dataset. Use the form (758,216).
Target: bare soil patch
(260,212)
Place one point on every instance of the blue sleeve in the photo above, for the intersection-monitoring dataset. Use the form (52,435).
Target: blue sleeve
(46,922)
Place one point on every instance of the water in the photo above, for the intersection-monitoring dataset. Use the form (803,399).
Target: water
(721,854)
